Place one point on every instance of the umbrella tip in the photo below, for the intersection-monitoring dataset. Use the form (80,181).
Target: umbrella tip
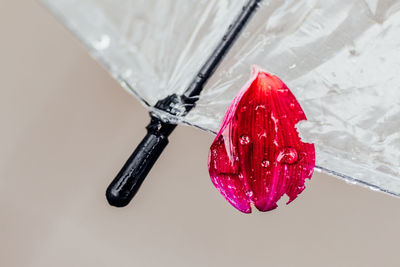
(115,198)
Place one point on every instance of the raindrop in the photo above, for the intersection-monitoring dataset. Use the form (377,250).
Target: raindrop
(102,43)
(287,155)
(276,143)
(260,107)
(265,163)
(373,188)
(243,109)
(302,156)
(284,91)
(262,134)
(292,105)
(244,139)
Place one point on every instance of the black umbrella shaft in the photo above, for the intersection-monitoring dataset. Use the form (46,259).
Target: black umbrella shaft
(127,182)
(207,70)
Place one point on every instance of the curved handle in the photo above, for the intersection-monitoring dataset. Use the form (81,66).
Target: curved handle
(128,181)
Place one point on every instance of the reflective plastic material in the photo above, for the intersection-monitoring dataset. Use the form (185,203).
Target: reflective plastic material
(341,59)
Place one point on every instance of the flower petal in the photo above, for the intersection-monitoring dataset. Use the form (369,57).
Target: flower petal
(258,156)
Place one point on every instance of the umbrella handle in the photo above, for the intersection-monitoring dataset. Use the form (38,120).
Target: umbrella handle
(128,181)
(124,187)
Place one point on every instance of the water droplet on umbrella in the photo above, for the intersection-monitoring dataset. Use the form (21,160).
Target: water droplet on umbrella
(102,42)
(244,139)
(288,155)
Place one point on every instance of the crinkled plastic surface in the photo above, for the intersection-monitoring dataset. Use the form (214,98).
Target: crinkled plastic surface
(341,59)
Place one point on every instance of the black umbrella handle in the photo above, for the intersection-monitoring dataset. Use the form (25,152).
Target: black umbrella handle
(123,188)
(128,181)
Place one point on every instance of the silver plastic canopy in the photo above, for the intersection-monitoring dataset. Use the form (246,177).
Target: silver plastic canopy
(340,58)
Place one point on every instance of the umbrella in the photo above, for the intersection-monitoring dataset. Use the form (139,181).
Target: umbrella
(340,59)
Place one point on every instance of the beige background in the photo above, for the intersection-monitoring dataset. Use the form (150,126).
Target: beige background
(66,128)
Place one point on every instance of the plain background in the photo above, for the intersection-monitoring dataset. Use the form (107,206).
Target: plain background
(66,129)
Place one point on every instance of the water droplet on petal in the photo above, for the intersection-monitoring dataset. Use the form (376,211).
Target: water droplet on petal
(243,109)
(260,107)
(302,156)
(276,143)
(244,139)
(283,91)
(265,163)
(262,134)
(292,105)
(260,110)
(287,155)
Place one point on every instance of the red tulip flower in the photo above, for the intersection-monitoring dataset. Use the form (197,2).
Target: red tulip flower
(257,156)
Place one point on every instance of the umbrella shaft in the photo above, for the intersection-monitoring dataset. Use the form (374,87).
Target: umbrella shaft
(192,93)
(128,181)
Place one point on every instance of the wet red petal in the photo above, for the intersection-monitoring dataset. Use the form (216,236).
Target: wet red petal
(258,156)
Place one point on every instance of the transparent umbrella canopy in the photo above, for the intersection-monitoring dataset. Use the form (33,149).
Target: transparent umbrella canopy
(341,59)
